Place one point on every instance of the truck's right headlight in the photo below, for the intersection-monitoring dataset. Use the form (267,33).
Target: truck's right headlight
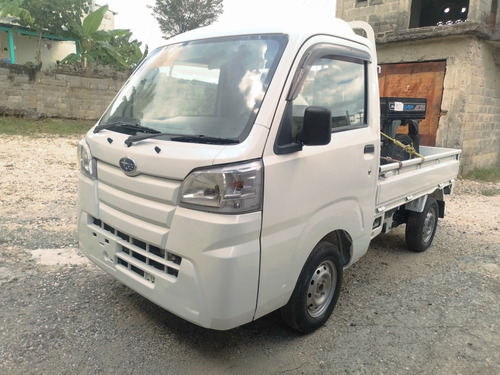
(87,162)
(228,189)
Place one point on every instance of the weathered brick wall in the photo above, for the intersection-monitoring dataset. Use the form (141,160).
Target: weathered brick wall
(58,93)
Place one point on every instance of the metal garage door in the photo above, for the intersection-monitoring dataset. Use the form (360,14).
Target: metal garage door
(417,80)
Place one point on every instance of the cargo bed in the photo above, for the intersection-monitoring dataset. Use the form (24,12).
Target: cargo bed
(400,183)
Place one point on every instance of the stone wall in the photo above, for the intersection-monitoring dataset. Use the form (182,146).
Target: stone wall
(63,93)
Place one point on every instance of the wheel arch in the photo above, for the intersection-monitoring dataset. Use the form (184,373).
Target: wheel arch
(418,204)
(317,289)
(343,241)
(438,195)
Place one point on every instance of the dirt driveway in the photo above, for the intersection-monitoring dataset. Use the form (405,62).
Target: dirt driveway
(399,312)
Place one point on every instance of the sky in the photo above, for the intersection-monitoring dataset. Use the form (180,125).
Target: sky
(134,14)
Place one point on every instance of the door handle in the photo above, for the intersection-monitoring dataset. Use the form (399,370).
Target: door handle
(369,149)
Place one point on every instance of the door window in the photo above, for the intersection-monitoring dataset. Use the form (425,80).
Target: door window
(335,81)
(337,84)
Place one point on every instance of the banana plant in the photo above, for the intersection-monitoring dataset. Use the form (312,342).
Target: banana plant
(93,45)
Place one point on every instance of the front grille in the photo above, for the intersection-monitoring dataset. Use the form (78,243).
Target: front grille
(140,257)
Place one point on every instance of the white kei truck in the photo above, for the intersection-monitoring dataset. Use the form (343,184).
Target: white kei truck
(241,170)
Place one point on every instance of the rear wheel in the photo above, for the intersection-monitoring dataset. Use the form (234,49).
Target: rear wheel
(317,290)
(421,226)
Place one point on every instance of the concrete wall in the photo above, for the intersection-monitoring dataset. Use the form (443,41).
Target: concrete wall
(58,93)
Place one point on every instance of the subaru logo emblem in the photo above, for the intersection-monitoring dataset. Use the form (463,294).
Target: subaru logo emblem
(128,166)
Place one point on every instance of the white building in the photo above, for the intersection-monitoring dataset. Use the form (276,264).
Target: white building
(18,44)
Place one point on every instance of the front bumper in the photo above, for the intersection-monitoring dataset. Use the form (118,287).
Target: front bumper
(203,268)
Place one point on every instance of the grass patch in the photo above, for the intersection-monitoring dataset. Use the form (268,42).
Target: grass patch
(11,125)
(490,192)
(489,175)
(484,175)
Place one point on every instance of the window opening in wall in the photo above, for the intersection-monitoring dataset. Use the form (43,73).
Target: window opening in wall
(364,3)
(438,12)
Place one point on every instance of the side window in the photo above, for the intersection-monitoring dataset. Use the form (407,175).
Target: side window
(338,84)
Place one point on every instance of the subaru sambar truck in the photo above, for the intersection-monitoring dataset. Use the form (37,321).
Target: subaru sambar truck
(241,170)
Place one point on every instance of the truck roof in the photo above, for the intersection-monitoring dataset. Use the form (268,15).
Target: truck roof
(296,31)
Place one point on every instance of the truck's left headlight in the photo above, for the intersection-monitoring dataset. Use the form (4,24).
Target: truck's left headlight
(87,162)
(228,189)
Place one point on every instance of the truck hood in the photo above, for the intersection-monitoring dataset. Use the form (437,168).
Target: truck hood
(169,159)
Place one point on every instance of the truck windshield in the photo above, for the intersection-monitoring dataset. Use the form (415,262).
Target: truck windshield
(208,88)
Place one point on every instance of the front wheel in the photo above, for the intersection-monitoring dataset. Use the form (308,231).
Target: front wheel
(317,290)
(421,226)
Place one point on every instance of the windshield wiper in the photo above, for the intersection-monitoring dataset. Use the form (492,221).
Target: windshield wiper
(136,127)
(136,138)
(205,139)
(183,138)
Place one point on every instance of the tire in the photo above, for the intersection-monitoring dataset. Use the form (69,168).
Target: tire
(397,153)
(317,290)
(421,226)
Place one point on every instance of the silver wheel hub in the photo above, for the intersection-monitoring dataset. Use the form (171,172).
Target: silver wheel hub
(321,288)
(429,225)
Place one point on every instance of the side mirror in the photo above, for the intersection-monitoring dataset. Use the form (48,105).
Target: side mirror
(317,128)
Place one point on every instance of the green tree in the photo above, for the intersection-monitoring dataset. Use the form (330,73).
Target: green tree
(53,16)
(178,16)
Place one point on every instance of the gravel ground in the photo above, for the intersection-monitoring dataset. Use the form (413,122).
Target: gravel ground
(399,312)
